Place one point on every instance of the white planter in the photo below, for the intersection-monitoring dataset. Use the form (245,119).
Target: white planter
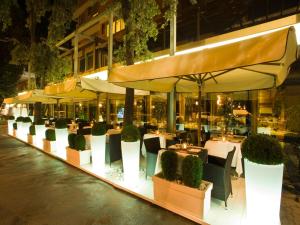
(10,126)
(20,130)
(98,144)
(25,131)
(131,161)
(78,158)
(40,135)
(61,142)
(49,146)
(181,199)
(263,192)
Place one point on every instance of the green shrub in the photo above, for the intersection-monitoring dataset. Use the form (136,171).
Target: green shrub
(192,171)
(32,130)
(50,135)
(80,143)
(39,122)
(130,133)
(71,140)
(19,119)
(15,126)
(98,129)
(61,124)
(169,164)
(27,120)
(10,117)
(262,149)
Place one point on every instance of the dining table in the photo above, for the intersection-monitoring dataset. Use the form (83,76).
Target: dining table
(220,148)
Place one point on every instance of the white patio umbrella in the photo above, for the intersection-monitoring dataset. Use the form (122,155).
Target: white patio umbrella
(254,63)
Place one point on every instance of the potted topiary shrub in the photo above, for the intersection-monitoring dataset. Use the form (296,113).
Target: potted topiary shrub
(61,132)
(40,130)
(49,141)
(31,135)
(19,122)
(77,155)
(263,158)
(171,188)
(130,147)
(10,121)
(25,128)
(98,143)
(15,127)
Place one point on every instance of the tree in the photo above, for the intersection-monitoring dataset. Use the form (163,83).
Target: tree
(140,27)
(46,23)
(9,76)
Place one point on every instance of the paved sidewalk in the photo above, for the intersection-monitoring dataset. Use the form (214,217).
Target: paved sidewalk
(36,189)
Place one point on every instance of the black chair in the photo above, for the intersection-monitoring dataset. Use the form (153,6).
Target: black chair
(84,131)
(217,171)
(113,149)
(143,131)
(152,147)
(203,155)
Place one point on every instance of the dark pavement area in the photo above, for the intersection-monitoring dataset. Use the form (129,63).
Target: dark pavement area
(36,189)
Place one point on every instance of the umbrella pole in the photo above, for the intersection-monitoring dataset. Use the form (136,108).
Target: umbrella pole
(199,114)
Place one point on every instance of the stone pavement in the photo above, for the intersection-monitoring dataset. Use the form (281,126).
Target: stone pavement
(36,189)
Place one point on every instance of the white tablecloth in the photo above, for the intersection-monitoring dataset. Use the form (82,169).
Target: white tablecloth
(221,149)
(162,138)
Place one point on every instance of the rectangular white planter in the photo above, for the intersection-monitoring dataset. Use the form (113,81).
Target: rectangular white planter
(191,202)
(78,158)
(263,192)
(98,144)
(10,126)
(49,146)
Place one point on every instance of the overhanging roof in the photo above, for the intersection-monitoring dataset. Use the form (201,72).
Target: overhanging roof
(255,63)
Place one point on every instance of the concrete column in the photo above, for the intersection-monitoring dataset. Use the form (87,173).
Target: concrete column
(254,112)
(75,57)
(171,96)
(182,106)
(97,107)
(171,111)
(107,109)
(110,41)
(88,109)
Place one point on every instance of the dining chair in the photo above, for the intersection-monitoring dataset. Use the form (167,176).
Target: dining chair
(113,149)
(152,147)
(217,171)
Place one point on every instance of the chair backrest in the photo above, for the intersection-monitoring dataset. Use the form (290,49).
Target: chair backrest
(203,155)
(152,145)
(229,159)
(115,147)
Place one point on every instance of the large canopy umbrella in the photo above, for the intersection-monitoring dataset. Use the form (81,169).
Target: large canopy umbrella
(103,86)
(255,63)
(69,91)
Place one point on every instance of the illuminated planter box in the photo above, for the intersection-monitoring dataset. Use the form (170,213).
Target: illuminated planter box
(131,161)
(98,144)
(10,126)
(31,139)
(61,141)
(49,146)
(78,158)
(25,130)
(20,130)
(182,199)
(263,192)
(40,135)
